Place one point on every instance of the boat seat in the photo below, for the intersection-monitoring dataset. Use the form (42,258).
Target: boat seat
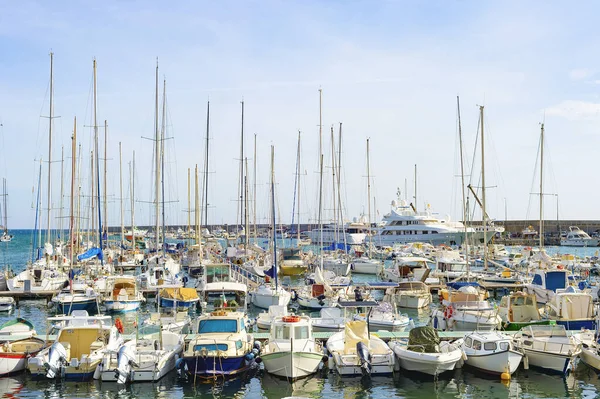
(96,345)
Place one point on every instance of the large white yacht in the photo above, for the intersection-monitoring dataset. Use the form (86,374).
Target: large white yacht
(354,233)
(578,238)
(405,225)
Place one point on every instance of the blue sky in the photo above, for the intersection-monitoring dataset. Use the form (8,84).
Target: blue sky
(389,70)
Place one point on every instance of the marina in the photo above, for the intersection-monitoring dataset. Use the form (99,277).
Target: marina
(299,200)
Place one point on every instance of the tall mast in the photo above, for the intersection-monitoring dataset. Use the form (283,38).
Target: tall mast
(156,166)
(197,210)
(462,184)
(298,177)
(205,194)
(369,196)
(333,181)
(62,193)
(241,187)
(105,230)
(339,178)
(254,191)
(37,241)
(162,162)
(121,197)
(78,222)
(5,209)
(50,144)
(485,260)
(133,201)
(273,212)
(246,227)
(97,154)
(321,170)
(542,188)
(189,208)
(71,205)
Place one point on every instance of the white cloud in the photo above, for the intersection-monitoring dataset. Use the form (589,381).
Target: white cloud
(580,73)
(575,110)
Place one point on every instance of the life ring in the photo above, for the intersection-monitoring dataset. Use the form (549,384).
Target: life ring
(119,326)
(448,312)
(291,319)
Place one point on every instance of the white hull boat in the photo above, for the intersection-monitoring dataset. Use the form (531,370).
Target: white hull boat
(548,347)
(428,356)
(266,296)
(491,352)
(14,355)
(146,359)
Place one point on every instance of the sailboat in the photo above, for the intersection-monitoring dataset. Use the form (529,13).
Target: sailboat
(5,236)
(267,294)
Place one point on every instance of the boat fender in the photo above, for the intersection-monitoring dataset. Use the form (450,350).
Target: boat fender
(526,362)
(180,366)
(257,346)
(448,312)
(249,356)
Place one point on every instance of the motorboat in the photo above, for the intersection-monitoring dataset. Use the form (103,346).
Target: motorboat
(148,358)
(578,238)
(225,294)
(407,268)
(7,303)
(491,352)
(266,295)
(355,351)
(366,265)
(519,310)
(77,317)
(77,351)
(590,349)
(122,294)
(291,262)
(384,317)
(172,321)
(465,311)
(17,327)
(14,355)
(179,298)
(264,320)
(548,347)
(317,296)
(79,296)
(353,233)
(37,279)
(329,320)
(546,282)
(221,348)
(292,352)
(409,294)
(573,309)
(403,225)
(423,352)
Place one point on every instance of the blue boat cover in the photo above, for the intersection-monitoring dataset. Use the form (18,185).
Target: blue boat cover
(90,253)
(458,284)
(339,245)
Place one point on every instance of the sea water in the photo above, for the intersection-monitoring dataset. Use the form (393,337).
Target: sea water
(462,383)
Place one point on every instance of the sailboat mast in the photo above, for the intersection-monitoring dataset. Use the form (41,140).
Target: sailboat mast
(241,187)
(298,177)
(197,211)
(369,196)
(5,209)
(121,197)
(254,191)
(542,188)
(189,208)
(320,169)
(339,184)
(246,227)
(205,194)
(97,154)
(156,167)
(50,145)
(462,185)
(71,204)
(333,181)
(273,212)
(60,206)
(484,216)
(162,163)
(133,201)
(105,230)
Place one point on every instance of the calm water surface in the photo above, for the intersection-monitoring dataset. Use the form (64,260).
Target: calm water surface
(583,383)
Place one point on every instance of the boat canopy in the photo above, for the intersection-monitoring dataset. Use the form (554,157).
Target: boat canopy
(180,294)
(90,253)
(423,339)
(355,332)
(459,284)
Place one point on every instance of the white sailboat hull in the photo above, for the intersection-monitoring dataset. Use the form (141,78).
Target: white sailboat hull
(427,363)
(292,365)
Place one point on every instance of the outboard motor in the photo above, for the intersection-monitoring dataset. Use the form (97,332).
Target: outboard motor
(365,358)
(125,359)
(57,356)
(321,299)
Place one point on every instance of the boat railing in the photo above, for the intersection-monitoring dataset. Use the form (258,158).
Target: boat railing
(241,275)
(554,347)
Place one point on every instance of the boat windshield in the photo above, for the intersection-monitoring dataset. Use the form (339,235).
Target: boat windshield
(546,331)
(217,326)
